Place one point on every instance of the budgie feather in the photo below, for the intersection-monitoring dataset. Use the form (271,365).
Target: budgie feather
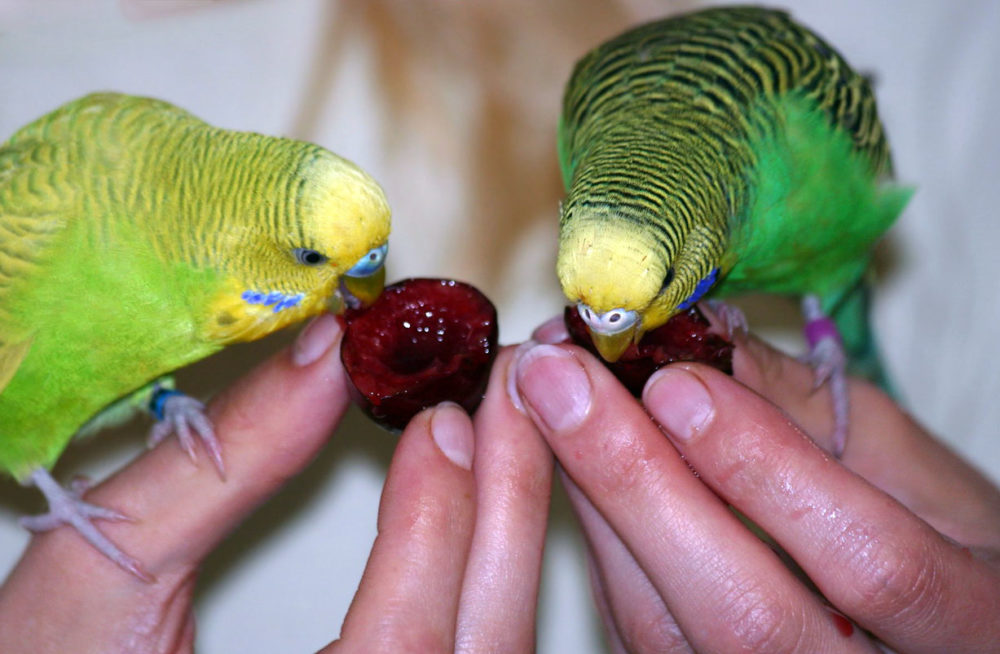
(729,150)
(129,233)
(136,239)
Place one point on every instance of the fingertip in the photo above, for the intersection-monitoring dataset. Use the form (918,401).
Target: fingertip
(554,383)
(679,400)
(315,339)
(551,331)
(451,431)
(511,381)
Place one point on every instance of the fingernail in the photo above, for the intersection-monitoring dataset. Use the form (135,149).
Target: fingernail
(512,392)
(679,401)
(452,433)
(556,386)
(551,331)
(315,339)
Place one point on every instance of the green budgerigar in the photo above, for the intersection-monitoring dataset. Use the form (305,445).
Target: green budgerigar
(725,151)
(136,239)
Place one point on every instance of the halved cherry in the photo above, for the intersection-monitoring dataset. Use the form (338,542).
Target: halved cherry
(422,342)
(684,337)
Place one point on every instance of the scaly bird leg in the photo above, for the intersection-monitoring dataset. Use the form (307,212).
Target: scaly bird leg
(178,413)
(828,358)
(66,507)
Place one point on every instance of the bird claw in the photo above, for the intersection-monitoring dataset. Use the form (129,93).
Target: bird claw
(829,362)
(185,416)
(733,320)
(66,507)
(827,359)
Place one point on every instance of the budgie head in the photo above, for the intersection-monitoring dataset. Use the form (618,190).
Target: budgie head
(623,279)
(317,244)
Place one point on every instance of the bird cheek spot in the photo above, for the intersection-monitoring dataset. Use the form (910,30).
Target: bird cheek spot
(253,297)
(276,299)
(699,291)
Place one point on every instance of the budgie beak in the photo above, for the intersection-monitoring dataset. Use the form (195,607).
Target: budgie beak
(366,278)
(365,289)
(612,331)
(612,346)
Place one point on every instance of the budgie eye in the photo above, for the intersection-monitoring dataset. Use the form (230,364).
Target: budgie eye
(308,257)
(370,263)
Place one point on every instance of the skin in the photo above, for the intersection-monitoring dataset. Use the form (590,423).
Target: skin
(908,551)
(900,535)
(474,536)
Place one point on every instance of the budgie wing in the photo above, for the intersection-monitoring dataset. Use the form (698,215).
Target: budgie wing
(32,213)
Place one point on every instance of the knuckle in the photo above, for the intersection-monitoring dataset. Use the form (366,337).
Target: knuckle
(629,474)
(757,619)
(892,581)
(516,479)
(653,631)
(758,625)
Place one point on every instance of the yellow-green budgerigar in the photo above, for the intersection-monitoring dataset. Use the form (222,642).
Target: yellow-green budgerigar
(725,151)
(136,239)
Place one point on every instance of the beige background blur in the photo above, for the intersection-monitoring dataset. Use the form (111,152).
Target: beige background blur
(452,106)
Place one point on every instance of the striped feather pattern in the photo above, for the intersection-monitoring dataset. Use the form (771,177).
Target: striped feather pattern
(111,158)
(136,239)
(656,137)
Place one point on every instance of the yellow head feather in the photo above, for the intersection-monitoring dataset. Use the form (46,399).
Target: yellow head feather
(609,262)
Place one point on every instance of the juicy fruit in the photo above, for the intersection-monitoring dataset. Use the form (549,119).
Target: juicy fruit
(684,337)
(422,342)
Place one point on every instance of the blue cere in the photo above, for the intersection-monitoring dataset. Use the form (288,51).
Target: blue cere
(703,286)
(369,263)
(277,299)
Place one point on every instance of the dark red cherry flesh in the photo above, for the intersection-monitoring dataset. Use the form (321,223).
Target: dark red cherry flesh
(422,342)
(684,337)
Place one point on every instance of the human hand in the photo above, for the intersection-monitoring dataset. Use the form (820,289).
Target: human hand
(457,561)
(451,540)
(900,535)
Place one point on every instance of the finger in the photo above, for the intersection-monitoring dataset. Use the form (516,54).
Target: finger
(513,470)
(630,605)
(884,445)
(868,554)
(616,645)
(725,588)
(271,423)
(551,331)
(408,597)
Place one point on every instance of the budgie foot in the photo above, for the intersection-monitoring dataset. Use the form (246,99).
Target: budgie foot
(733,319)
(185,416)
(66,507)
(829,360)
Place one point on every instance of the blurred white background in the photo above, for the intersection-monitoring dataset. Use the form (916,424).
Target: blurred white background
(452,107)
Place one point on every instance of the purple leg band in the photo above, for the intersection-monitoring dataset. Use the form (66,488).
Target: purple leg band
(820,328)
